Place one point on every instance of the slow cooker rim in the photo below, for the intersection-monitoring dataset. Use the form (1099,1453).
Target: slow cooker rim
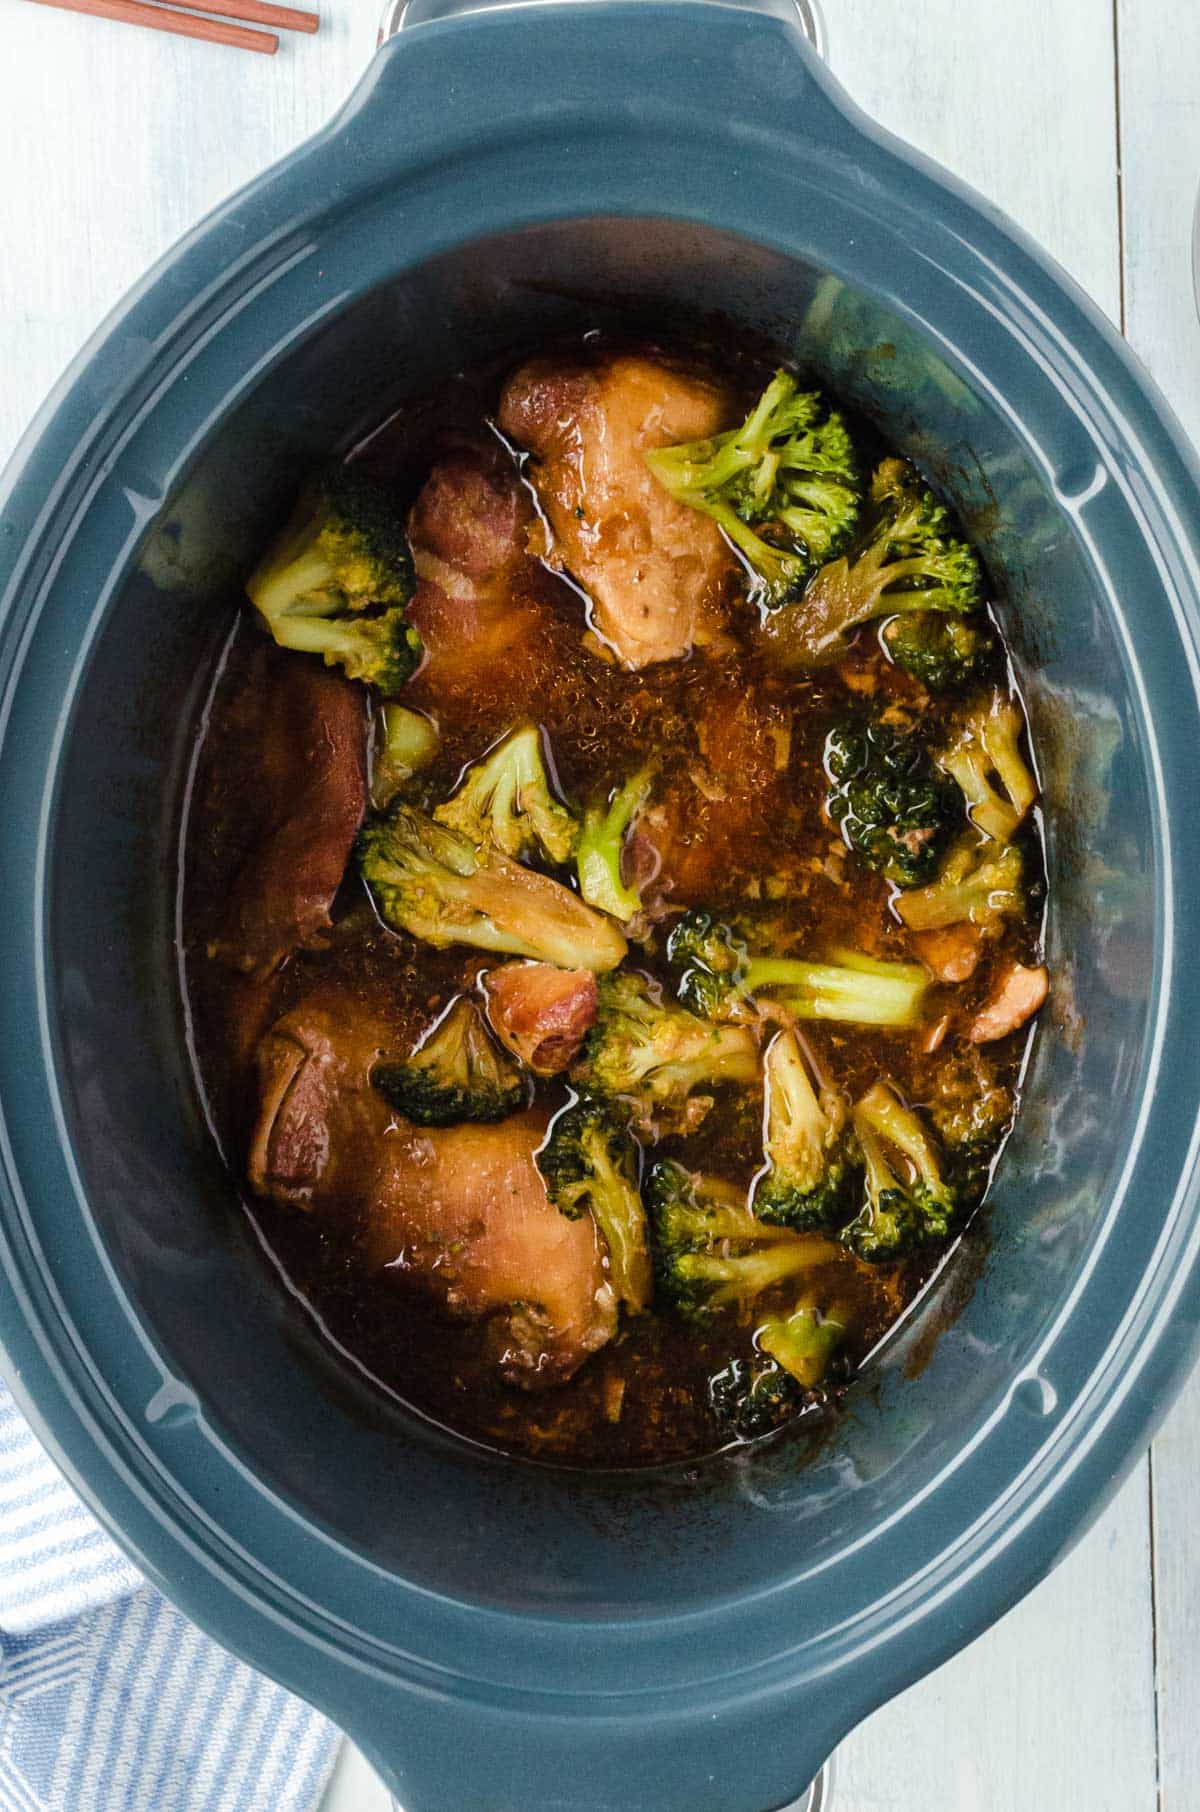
(877,147)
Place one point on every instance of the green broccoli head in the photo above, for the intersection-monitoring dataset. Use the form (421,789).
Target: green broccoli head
(978,884)
(946,653)
(708,960)
(455,1074)
(338,580)
(892,806)
(920,563)
(810,1156)
(712,1253)
(971,1111)
(589,1162)
(441,887)
(986,761)
(909,559)
(783,486)
(655,1052)
(749,1398)
(602,843)
(506,800)
(804,1343)
(909,1201)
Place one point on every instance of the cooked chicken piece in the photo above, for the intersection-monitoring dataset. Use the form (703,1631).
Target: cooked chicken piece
(656,572)
(463,1212)
(482,629)
(459,1212)
(952,954)
(306,797)
(318,1116)
(720,815)
(1016,998)
(541,1013)
(471,518)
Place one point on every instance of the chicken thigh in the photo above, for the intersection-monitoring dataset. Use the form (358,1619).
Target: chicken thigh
(655,571)
(457,1212)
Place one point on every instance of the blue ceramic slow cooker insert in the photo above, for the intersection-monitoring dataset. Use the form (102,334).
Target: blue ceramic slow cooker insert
(501,1637)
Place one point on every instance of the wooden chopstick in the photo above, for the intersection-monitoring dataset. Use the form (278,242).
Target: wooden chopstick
(259,12)
(165,18)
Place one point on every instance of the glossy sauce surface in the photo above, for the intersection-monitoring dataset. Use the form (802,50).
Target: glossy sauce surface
(713,719)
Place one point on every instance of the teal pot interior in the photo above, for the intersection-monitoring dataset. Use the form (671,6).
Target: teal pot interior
(498,1636)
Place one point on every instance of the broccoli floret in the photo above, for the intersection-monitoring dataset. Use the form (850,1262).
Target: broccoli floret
(338,579)
(590,1164)
(601,843)
(505,799)
(988,745)
(439,886)
(707,960)
(711,1251)
(655,1052)
(455,1074)
(407,743)
(794,1356)
(945,652)
(968,1106)
(789,471)
(979,884)
(909,1201)
(808,1152)
(715,974)
(909,560)
(803,1343)
(382,649)
(892,806)
(971,1112)
(750,1398)
(713,1255)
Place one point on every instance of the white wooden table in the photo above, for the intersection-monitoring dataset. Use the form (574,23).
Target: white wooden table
(1082,119)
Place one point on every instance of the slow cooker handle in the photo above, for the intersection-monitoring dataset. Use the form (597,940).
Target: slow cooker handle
(399,15)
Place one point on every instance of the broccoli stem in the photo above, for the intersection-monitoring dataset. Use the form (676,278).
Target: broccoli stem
(617,1209)
(855,989)
(803,1343)
(601,844)
(881,1112)
(300,589)
(409,743)
(312,634)
(742,1278)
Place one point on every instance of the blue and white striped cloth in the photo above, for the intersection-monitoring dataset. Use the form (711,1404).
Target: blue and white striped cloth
(110,1700)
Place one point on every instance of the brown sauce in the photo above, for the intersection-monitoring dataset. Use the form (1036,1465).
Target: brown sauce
(646,1396)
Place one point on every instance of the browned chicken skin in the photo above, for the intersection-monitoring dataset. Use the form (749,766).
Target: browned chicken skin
(308,730)
(655,571)
(459,1212)
(463,1212)
(469,530)
(541,1013)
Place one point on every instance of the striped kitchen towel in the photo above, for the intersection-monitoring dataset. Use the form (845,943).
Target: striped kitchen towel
(110,1700)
